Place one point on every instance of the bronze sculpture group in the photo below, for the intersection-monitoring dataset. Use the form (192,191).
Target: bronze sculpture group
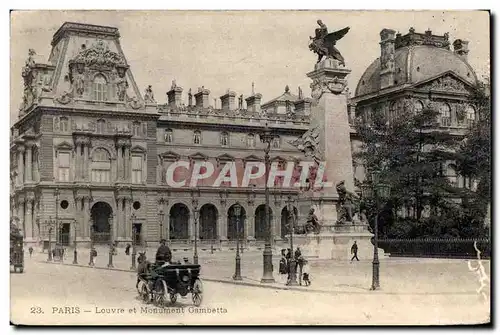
(323,43)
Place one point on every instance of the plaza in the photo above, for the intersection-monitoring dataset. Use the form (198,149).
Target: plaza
(413,291)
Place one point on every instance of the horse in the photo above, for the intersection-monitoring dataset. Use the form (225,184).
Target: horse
(143,267)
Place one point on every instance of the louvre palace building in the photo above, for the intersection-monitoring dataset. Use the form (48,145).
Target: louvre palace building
(90,148)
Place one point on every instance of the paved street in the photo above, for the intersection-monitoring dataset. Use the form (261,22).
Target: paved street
(55,286)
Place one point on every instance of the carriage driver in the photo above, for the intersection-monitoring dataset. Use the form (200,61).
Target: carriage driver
(162,259)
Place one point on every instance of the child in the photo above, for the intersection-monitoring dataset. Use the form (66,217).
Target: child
(305,273)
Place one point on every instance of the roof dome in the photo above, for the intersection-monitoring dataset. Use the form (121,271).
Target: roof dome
(414,64)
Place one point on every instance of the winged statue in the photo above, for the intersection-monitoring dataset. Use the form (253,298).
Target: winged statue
(309,144)
(323,43)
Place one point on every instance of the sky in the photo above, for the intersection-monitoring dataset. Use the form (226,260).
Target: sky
(223,50)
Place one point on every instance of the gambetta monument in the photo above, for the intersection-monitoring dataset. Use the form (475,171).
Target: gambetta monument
(328,139)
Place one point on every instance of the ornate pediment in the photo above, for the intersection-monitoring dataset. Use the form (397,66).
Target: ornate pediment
(198,157)
(446,83)
(252,158)
(64,146)
(169,156)
(100,55)
(225,158)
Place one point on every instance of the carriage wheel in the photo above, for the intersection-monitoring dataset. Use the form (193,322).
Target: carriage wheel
(144,292)
(161,294)
(173,298)
(197,292)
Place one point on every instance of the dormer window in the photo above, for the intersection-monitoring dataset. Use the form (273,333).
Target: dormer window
(224,139)
(169,136)
(197,137)
(99,88)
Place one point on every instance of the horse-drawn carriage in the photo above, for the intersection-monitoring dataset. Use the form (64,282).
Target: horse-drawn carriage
(171,280)
(16,249)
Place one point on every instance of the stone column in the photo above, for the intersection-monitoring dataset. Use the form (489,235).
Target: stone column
(222,224)
(21,215)
(20,165)
(36,172)
(78,161)
(86,221)
(28,223)
(250,227)
(28,175)
(119,160)
(86,163)
(126,164)
(128,223)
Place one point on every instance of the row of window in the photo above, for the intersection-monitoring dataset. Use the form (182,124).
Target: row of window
(224,139)
(444,113)
(100,167)
(101,126)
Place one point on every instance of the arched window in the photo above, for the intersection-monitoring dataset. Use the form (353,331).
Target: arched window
(392,112)
(251,140)
(451,173)
(169,136)
(418,106)
(224,139)
(197,137)
(445,112)
(101,166)
(471,115)
(64,124)
(101,126)
(99,88)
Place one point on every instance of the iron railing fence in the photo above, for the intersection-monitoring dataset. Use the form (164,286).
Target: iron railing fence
(436,247)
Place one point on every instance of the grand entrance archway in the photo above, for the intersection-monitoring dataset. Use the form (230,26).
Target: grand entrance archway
(286,221)
(261,222)
(101,215)
(231,224)
(208,222)
(179,222)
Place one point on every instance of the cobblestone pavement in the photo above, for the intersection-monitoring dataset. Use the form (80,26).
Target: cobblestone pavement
(41,294)
(397,275)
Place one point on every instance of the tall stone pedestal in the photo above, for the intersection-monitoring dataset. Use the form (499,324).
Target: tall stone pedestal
(335,242)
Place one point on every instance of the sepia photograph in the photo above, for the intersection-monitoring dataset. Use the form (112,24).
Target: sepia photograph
(250,167)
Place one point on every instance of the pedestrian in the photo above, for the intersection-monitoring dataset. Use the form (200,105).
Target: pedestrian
(298,253)
(127,249)
(31,251)
(306,278)
(283,264)
(186,260)
(354,251)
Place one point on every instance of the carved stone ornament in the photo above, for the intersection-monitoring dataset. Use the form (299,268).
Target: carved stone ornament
(334,85)
(134,103)
(100,55)
(65,98)
(309,144)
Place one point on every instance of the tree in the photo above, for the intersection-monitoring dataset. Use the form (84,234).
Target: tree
(474,160)
(411,153)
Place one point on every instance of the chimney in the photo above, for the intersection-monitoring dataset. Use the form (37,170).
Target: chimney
(303,106)
(387,50)
(174,96)
(227,101)
(461,48)
(253,103)
(201,97)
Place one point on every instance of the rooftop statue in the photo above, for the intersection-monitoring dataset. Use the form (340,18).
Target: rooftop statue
(323,43)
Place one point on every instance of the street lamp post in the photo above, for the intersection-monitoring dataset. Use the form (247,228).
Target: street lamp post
(291,225)
(50,223)
(237,270)
(91,257)
(195,210)
(75,253)
(378,190)
(162,216)
(267,137)
(133,267)
(111,242)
